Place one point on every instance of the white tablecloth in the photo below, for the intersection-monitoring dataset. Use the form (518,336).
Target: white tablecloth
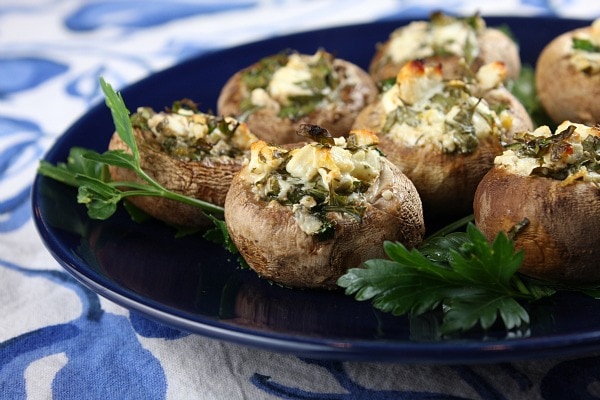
(51,55)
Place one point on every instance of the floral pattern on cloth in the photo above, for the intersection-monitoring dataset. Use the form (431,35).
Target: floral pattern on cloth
(61,340)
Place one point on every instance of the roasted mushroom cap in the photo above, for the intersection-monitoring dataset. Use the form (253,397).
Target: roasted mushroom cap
(567,76)
(281,92)
(279,239)
(556,204)
(442,134)
(459,44)
(191,153)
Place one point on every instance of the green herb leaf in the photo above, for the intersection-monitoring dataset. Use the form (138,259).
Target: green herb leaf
(117,158)
(77,163)
(100,199)
(88,171)
(585,45)
(220,235)
(473,282)
(120,115)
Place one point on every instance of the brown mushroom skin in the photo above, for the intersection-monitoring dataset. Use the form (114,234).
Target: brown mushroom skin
(267,125)
(274,246)
(494,45)
(560,243)
(207,180)
(565,92)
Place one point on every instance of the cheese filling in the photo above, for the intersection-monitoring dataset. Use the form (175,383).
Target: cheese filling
(189,135)
(294,84)
(423,108)
(571,153)
(317,178)
(585,51)
(443,36)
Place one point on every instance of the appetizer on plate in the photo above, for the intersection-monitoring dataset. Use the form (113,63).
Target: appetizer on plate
(303,217)
(280,92)
(567,76)
(443,133)
(189,152)
(456,42)
(548,185)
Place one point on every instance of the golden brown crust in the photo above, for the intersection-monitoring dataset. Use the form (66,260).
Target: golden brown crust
(561,241)
(565,92)
(207,180)
(273,244)
(267,125)
(494,45)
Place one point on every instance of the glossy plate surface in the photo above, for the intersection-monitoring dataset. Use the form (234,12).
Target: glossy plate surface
(194,285)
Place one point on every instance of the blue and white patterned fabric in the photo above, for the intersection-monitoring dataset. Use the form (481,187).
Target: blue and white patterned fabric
(60,340)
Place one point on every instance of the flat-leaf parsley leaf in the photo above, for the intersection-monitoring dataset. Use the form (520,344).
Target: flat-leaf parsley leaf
(472,281)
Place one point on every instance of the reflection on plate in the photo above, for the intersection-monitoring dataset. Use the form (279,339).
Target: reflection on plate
(196,286)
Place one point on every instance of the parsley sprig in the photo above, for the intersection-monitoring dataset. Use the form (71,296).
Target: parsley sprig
(472,281)
(87,170)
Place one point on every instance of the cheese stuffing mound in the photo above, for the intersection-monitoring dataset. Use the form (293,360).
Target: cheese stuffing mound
(571,153)
(189,135)
(424,108)
(317,178)
(294,85)
(443,35)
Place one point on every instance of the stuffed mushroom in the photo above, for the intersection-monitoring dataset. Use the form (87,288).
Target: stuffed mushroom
(460,44)
(567,76)
(442,133)
(189,152)
(302,217)
(545,191)
(280,92)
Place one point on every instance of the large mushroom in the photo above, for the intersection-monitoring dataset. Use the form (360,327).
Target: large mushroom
(443,133)
(544,190)
(189,152)
(280,92)
(302,217)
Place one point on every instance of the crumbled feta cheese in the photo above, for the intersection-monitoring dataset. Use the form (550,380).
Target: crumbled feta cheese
(419,82)
(422,39)
(287,80)
(264,159)
(410,42)
(428,109)
(524,165)
(261,98)
(308,202)
(489,76)
(346,168)
(307,222)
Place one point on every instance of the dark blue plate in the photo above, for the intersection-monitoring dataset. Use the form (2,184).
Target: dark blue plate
(196,286)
